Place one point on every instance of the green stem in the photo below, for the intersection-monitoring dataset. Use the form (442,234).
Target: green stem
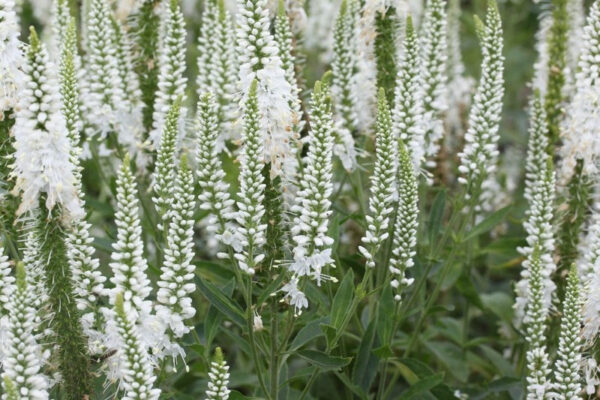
(253,353)
(274,353)
(73,357)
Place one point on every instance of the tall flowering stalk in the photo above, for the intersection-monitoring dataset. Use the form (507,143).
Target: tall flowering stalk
(129,114)
(87,279)
(6,289)
(540,233)
(11,59)
(312,253)
(408,111)
(590,275)
(567,385)
(537,145)
(459,85)
(23,361)
(176,281)
(383,186)
(344,65)
(214,194)
(11,77)
(137,377)
(171,64)
(434,74)
(165,171)
(6,281)
(206,46)
(540,194)
(251,229)
(218,378)
(405,231)
(128,262)
(259,60)
(105,93)
(480,154)
(580,140)
(36,281)
(284,39)
(218,64)
(46,179)
(538,363)
(365,78)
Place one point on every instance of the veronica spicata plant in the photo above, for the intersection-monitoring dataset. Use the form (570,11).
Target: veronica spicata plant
(183,217)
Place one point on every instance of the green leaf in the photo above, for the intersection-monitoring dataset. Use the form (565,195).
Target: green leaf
(412,370)
(488,223)
(309,332)
(323,361)
(422,386)
(221,302)
(498,361)
(365,366)
(452,357)
(342,300)
(505,246)
(386,309)
(467,289)
(330,333)
(501,304)
(436,215)
(235,395)
(383,352)
(357,390)
(214,272)
(270,289)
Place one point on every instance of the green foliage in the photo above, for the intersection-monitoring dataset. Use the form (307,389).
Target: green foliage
(557,44)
